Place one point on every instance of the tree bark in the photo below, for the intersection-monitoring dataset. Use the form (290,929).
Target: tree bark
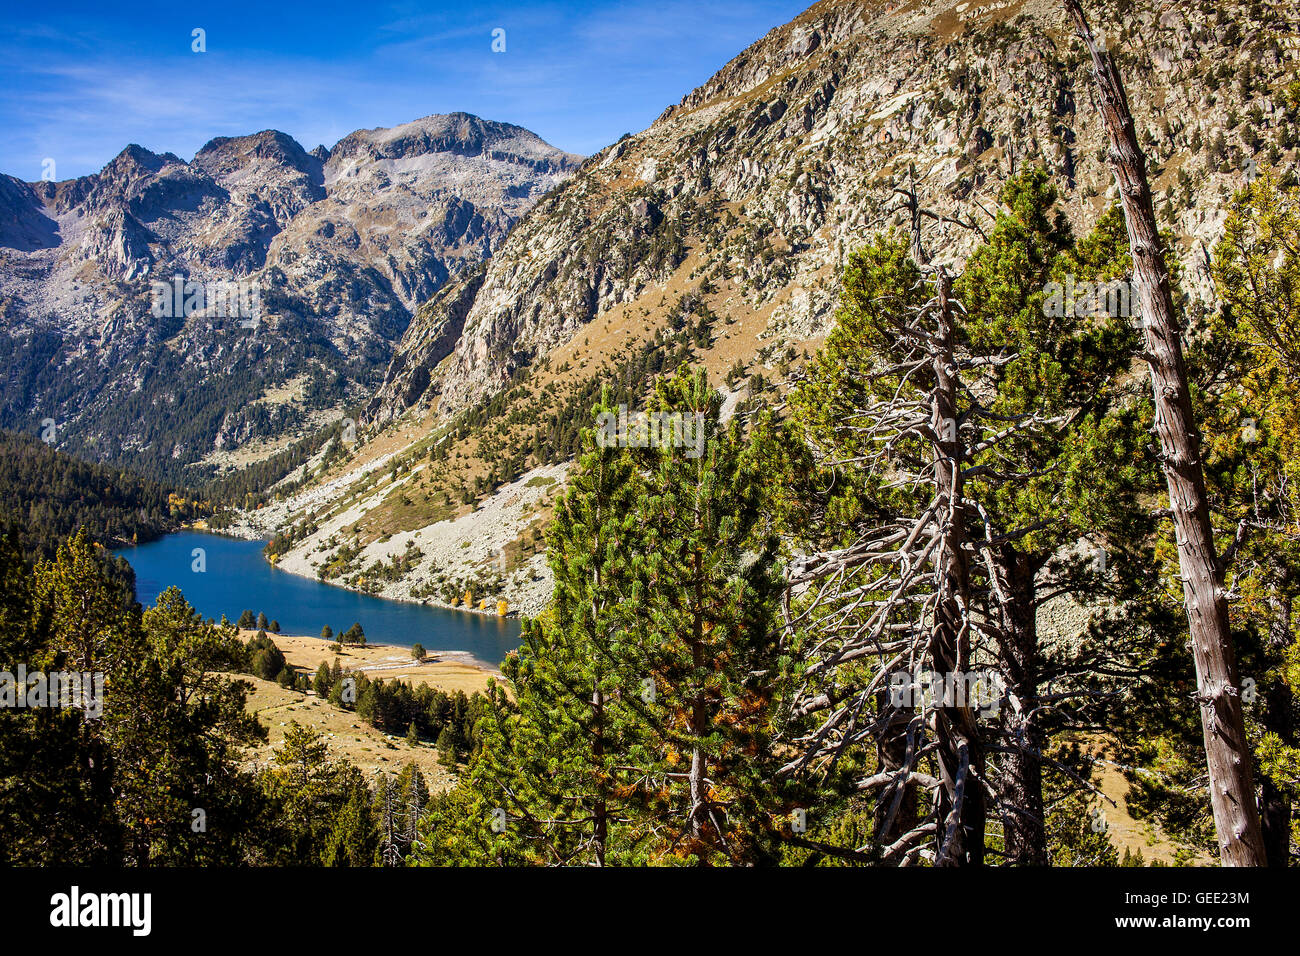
(699,718)
(891,753)
(1232,786)
(600,811)
(960,754)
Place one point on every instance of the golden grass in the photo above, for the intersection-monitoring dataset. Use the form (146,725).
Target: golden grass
(346,735)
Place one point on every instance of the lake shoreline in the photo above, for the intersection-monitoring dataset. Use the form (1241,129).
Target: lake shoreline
(442,670)
(460,548)
(291,568)
(222,574)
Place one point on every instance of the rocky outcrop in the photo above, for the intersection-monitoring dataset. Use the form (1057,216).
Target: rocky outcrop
(118,244)
(25,224)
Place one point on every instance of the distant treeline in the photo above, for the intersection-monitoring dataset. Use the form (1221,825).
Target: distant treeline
(47,495)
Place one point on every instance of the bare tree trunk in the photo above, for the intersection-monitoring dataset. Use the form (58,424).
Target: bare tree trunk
(699,718)
(600,811)
(1232,786)
(960,755)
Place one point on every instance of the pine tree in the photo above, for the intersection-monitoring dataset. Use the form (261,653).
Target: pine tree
(1039,392)
(322,681)
(83,612)
(555,749)
(56,771)
(1252,423)
(885,587)
(1052,386)
(447,755)
(703,596)
(354,837)
(309,790)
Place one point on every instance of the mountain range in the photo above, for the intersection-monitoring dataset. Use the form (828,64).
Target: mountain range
(343,244)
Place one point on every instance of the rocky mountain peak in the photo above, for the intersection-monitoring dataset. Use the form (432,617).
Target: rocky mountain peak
(456,134)
(135,160)
(225,156)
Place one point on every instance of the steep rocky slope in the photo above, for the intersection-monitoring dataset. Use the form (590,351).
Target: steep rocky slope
(342,244)
(773,170)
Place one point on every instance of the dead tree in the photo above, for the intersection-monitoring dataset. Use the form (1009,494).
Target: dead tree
(959,755)
(1232,786)
(899,599)
(935,584)
(391,838)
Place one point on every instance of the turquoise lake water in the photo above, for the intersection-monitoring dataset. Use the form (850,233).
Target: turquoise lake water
(237,576)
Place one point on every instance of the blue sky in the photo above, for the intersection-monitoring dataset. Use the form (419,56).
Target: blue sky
(81,80)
